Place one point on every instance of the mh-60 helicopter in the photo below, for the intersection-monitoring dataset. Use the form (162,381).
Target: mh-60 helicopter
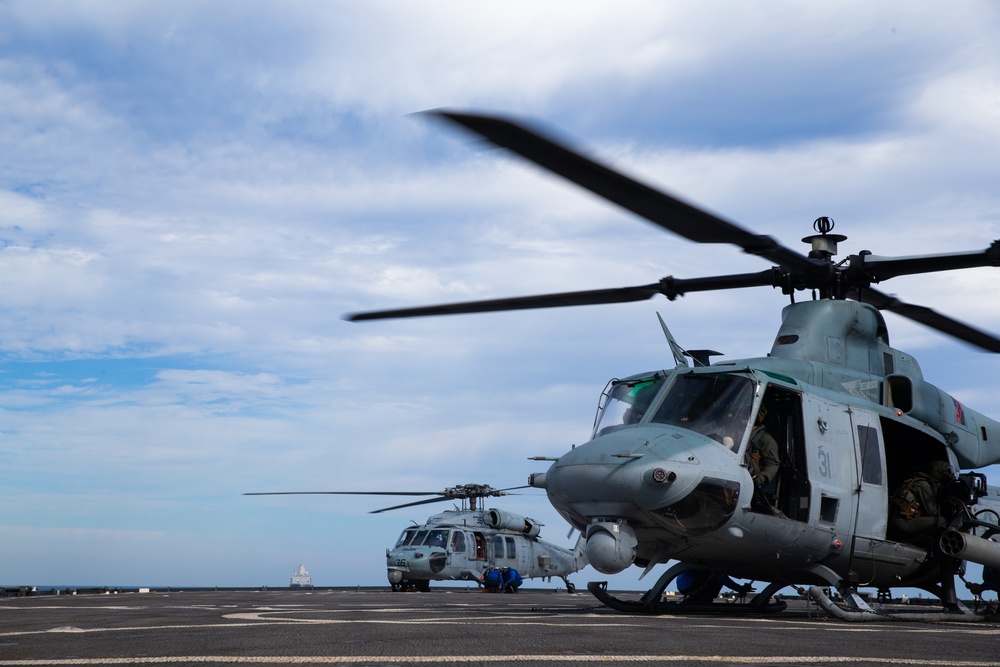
(468,542)
(667,473)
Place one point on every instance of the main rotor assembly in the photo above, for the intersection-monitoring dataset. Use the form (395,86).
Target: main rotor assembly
(851,278)
(463,492)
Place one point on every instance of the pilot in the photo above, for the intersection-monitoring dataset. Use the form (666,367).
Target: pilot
(643,398)
(762,461)
(915,516)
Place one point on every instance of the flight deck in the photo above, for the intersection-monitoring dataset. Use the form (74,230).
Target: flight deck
(452,626)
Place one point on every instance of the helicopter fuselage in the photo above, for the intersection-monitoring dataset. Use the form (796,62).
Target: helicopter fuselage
(666,475)
(674,469)
(464,544)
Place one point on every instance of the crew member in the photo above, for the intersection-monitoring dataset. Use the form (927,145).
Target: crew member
(762,461)
(915,515)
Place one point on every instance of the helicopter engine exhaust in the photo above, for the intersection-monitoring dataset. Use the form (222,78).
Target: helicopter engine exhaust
(508,521)
(971,548)
(611,546)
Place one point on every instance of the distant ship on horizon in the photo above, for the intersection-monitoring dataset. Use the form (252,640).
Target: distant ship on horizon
(301,578)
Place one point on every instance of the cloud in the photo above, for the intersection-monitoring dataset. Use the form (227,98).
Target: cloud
(192,196)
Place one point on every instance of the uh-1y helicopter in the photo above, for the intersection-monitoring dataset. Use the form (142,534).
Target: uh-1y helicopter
(666,475)
(468,542)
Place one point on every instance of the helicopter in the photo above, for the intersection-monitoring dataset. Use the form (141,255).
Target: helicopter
(667,474)
(469,542)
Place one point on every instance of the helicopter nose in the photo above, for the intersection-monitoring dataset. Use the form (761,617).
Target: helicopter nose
(664,476)
(420,562)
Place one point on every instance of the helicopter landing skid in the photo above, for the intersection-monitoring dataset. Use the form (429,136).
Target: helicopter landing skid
(652,605)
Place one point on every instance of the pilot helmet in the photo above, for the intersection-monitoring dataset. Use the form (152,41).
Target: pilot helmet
(941,471)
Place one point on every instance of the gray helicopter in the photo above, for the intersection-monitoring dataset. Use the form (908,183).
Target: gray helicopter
(469,543)
(670,474)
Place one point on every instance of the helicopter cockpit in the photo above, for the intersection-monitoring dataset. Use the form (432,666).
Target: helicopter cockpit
(413,537)
(716,405)
(624,402)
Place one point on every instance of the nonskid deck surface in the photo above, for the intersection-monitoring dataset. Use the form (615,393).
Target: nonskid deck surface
(453,626)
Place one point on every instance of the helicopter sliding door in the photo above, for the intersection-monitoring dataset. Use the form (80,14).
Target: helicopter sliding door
(887,452)
(830,456)
(872,498)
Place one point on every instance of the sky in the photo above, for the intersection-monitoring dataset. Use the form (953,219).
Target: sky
(193,194)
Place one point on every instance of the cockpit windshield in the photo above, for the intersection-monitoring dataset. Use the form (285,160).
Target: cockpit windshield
(437,538)
(405,538)
(430,538)
(717,405)
(625,402)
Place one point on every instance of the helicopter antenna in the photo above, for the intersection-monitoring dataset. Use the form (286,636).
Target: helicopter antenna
(678,352)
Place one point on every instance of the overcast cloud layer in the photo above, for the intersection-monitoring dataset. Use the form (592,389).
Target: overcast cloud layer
(193,194)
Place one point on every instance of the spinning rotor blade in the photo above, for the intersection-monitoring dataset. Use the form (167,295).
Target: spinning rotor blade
(883,268)
(793,271)
(929,318)
(586,298)
(658,207)
(670,287)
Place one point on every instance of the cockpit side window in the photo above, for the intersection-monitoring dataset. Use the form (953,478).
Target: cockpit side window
(625,403)
(458,542)
(717,405)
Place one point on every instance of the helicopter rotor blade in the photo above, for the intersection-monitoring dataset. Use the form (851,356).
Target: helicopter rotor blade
(502,492)
(883,268)
(345,493)
(413,504)
(670,287)
(661,209)
(440,499)
(460,492)
(584,298)
(929,318)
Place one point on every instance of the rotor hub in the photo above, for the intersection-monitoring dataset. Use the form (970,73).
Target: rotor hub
(824,244)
